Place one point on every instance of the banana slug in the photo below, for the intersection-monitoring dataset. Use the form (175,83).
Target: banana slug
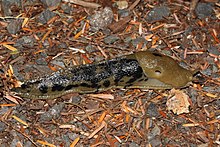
(146,70)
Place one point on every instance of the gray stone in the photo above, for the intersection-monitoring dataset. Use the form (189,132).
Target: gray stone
(14,26)
(45,16)
(6,6)
(214,50)
(123,13)
(152,110)
(2,126)
(51,3)
(101,19)
(76,99)
(25,42)
(136,41)
(52,113)
(154,132)
(66,8)
(204,10)
(157,14)
(111,39)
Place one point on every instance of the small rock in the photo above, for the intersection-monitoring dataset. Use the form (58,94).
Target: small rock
(101,19)
(154,132)
(4,110)
(204,10)
(211,70)
(139,40)
(25,42)
(90,49)
(214,50)
(123,13)
(212,90)
(28,144)
(59,62)
(14,26)
(133,144)
(66,8)
(156,142)
(2,127)
(122,4)
(111,39)
(157,14)
(51,3)
(45,16)
(193,95)
(52,113)
(6,6)
(76,99)
(72,136)
(128,39)
(152,110)
(207,72)
(41,61)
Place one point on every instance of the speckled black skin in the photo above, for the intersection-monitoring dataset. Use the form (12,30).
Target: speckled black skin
(84,79)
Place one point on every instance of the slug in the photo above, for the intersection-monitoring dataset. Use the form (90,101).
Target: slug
(145,70)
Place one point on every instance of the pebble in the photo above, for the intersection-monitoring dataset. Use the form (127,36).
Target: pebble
(157,14)
(101,19)
(89,48)
(76,99)
(193,95)
(51,3)
(154,132)
(152,110)
(214,50)
(59,62)
(6,6)
(2,127)
(156,142)
(25,42)
(123,13)
(137,41)
(45,16)
(111,39)
(66,8)
(52,113)
(14,26)
(204,10)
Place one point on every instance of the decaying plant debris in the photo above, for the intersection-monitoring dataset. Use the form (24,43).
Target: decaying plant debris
(39,37)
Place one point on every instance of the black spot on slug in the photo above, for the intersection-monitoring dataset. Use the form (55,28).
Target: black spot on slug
(24,86)
(85,85)
(106,83)
(136,76)
(121,81)
(140,80)
(71,86)
(57,87)
(43,89)
(95,85)
(127,85)
(156,54)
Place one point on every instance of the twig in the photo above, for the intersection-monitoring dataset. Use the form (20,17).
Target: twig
(83,3)
(133,5)
(25,135)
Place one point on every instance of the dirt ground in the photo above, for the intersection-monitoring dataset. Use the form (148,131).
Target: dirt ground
(38,37)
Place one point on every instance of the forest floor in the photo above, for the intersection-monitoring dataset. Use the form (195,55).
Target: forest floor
(38,37)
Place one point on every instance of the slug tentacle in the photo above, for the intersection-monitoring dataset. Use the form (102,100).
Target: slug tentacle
(140,70)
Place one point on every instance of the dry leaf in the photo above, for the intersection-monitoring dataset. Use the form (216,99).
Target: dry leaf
(178,103)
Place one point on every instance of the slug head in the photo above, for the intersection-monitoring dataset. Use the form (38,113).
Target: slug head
(164,69)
